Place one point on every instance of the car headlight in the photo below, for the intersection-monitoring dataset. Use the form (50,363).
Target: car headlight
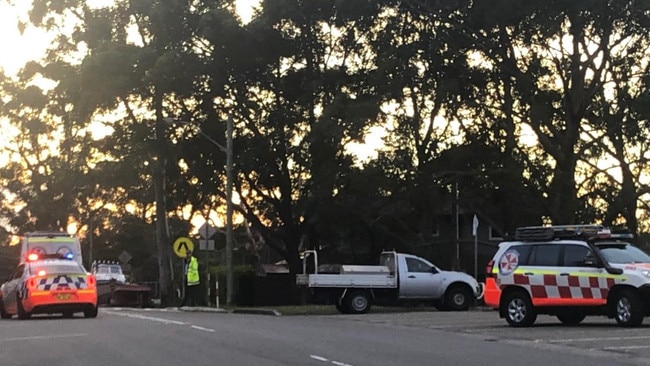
(646,273)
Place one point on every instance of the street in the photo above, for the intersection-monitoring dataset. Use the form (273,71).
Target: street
(169,337)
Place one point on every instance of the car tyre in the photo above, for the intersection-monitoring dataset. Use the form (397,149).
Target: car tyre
(457,298)
(357,302)
(22,314)
(91,313)
(571,317)
(519,310)
(629,309)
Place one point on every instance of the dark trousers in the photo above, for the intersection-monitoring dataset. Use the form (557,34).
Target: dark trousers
(191,295)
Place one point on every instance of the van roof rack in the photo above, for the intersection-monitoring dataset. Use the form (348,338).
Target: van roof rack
(557,232)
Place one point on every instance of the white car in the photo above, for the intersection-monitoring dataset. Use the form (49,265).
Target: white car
(108,271)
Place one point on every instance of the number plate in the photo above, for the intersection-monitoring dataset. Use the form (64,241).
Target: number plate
(63,297)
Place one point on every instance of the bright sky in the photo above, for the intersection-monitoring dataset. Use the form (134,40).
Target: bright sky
(17,49)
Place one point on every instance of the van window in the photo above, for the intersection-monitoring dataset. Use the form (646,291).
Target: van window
(545,255)
(574,255)
(523,252)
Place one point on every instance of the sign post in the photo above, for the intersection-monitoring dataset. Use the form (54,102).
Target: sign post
(205,243)
(475,233)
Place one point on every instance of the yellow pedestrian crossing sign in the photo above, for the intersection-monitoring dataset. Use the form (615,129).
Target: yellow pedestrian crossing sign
(182,245)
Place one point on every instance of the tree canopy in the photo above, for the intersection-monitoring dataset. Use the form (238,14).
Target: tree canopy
(524,113)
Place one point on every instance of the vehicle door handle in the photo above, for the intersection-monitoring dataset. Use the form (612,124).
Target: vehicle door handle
(411,276)
(564,274)
(528,274)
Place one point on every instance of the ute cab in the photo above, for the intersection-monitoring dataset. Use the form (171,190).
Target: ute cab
(49,284)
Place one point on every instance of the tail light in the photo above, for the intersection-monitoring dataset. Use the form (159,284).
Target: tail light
(91,280)
(489,268)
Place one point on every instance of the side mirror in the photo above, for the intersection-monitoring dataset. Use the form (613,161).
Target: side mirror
(592,261)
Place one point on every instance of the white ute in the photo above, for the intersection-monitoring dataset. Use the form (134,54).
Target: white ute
(399,277)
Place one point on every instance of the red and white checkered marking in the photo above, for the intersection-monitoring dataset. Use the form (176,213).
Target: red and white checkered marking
(562,287)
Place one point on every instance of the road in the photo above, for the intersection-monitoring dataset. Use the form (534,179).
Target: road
(123,337)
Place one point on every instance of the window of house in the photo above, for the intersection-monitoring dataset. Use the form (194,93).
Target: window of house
(494,235)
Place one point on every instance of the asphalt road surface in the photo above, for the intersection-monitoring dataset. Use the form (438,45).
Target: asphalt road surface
(123,337)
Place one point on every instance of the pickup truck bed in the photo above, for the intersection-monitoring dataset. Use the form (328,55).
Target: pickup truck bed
(348,280)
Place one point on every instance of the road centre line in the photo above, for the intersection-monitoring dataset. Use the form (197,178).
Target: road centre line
(626,347)
(43,337)
(324,359)
(144,317)
(201,328)
(596,339)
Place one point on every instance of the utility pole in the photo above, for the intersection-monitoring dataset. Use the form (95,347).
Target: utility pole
(229,209)
(162,235)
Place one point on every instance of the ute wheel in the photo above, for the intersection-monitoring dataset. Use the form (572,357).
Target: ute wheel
(519,310)
(571,317)
(91,313)
(357,302)
(22,314)
(629,309)
(457,298)
(3,312)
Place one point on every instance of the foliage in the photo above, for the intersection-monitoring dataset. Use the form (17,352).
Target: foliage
(507,108)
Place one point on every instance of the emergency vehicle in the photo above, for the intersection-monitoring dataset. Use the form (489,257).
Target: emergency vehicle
(569,272)
(49,284)
(51,243)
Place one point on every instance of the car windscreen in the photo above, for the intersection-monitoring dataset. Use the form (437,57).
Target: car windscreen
(70,267)
(623,253)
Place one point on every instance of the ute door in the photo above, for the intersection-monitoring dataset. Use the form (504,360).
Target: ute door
(419,279)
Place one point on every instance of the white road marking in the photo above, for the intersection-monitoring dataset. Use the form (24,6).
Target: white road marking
(152,318)
(319,358)
(323,359)
(340,363)
(626,347)
(597,339)
(201,328)
(43,337)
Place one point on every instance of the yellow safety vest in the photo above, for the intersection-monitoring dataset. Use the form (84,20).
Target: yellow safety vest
(193,272)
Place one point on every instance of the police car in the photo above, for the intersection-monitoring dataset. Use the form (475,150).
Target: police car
(569,272)
(49,284)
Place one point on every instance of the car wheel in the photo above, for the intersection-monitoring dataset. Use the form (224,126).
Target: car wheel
(3,312)
(22,314)
(91,313)
(629,309)
(457,298)
(519,310)
(357,302)
(571,317)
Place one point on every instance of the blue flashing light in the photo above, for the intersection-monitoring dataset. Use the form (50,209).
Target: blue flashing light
(69,256)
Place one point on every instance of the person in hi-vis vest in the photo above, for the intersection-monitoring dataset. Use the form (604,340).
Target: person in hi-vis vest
(192,280)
